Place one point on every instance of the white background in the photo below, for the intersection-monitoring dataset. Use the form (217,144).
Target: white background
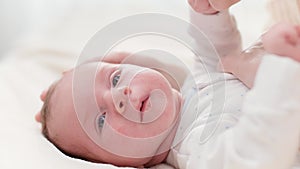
(19,18)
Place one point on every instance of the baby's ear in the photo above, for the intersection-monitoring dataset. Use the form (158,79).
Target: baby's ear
(38,117)
(43,95)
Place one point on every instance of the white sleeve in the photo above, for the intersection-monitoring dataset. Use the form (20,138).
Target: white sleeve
(267,135)
(221,31)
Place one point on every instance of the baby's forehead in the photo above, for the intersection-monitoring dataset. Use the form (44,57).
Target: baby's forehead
(65,85)
(98,60)
(68,76)
(60,90)
(95,64)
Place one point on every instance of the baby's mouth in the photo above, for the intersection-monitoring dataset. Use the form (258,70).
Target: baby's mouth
(144,104)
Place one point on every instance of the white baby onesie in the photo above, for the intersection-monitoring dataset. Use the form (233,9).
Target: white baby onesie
(224,127)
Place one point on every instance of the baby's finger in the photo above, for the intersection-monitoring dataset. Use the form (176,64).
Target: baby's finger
(220,5)
(292,36)
(291,39)
(202,6)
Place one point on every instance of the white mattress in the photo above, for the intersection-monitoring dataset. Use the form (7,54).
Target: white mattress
(39,59)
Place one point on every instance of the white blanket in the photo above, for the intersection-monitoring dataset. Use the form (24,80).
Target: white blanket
(40,59)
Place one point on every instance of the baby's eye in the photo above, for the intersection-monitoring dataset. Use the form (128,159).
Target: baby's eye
(101,121)
(115,80)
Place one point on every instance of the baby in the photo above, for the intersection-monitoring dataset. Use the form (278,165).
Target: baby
(114,84)
(142,119)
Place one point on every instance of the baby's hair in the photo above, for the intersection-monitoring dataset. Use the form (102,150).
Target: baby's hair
(45,113)
(46,109)
(284,10)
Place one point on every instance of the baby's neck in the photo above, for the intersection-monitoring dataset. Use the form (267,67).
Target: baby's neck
(167,143)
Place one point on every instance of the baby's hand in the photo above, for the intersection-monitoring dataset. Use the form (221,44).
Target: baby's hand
(211,6)
(283,39)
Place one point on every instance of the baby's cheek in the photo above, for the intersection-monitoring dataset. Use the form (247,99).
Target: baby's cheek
(120,126)
(149,76)
(134,130)
(130,131)
(165,121)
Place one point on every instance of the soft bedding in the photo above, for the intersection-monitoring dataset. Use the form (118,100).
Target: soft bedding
(40,58)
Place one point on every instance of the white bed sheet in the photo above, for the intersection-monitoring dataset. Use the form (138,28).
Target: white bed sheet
(40,59)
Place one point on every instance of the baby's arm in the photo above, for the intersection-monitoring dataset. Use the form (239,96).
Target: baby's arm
(267,135)
(282,39)
(217,36)
(244,65)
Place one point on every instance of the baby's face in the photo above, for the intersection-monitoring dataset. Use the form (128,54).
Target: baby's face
(134,119)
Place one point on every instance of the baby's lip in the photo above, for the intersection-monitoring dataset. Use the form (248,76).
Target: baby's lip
(143,104)
(139,102)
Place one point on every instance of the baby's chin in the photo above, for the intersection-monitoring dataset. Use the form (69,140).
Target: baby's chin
(133,162)
(145,162)
(157,160)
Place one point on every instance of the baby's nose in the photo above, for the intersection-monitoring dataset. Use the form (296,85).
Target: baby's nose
(126,91)
(120,105)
